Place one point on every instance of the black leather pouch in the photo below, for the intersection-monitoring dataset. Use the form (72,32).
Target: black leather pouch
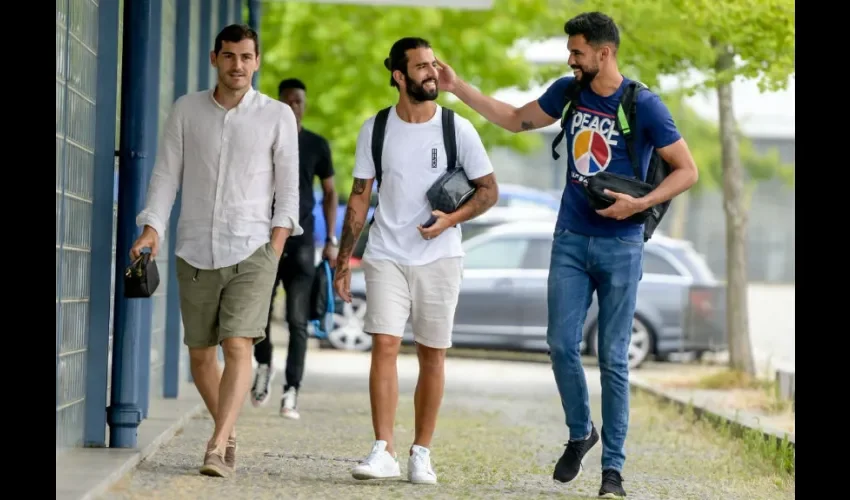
(597,184)
(141,278)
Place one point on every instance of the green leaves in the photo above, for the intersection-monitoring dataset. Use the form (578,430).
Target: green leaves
(338,51)
(665,37)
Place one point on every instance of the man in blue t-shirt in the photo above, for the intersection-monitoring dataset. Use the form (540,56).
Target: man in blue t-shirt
(593,250)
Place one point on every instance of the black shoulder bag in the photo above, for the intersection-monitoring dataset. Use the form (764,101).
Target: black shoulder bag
(450,190)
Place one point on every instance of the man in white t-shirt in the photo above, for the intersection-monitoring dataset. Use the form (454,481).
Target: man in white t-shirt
(412,272)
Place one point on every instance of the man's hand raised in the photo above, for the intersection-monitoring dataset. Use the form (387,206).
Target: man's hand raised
(447,77)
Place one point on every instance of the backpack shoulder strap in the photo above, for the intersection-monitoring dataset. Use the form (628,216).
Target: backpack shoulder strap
(626,122)
(571,96)
(378,131)
(449,138)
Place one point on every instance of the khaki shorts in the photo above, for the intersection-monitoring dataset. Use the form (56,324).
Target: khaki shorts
(230,302)
(427,295)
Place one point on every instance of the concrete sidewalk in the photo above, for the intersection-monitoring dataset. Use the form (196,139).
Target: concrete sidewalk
(500,431)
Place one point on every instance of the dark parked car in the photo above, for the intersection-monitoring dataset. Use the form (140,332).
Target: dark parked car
(503,304)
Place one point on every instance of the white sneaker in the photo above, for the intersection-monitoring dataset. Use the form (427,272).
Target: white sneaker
(378,465)
(261,390)
(419,470)
(289,404)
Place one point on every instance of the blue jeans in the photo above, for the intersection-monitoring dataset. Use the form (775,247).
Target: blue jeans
(612,267)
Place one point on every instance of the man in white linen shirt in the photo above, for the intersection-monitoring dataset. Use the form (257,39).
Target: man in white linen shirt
(231,150)
(411,271)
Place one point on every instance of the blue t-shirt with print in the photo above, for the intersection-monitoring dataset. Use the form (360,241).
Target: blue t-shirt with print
(594,145)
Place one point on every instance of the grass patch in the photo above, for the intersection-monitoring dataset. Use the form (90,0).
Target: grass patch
(765,399)
(743,392)
(753,447)
(730,379)
(479,449)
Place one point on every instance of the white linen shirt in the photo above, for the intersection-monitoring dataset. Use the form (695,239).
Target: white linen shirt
(229,164)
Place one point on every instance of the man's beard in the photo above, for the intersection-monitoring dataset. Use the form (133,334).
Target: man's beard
(417,91)
(586,76)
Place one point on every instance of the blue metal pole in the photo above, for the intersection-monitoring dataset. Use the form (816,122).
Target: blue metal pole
(255,21)
(97,372)
(152,131)
(206,37)
(237,11)
(224,13)
(171,378)
(132,316)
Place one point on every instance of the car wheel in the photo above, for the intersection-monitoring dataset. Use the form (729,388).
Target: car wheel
(347,333)
(640,345)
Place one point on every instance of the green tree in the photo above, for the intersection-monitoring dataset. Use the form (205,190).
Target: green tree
(725,39)
(338,51)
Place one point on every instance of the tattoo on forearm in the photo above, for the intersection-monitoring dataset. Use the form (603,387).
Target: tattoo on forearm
(359,186)
(526,125)
(351,228)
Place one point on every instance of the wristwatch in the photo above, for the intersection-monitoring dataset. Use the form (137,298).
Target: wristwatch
(332,240)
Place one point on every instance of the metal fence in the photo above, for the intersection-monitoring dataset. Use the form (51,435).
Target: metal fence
(76,76)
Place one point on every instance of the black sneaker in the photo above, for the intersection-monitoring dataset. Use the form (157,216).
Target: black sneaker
(612,485)
(569,465)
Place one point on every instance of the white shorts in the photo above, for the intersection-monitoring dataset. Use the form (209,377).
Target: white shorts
(427,295)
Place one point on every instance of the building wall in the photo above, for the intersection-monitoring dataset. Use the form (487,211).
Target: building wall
(76,80)
(77,62)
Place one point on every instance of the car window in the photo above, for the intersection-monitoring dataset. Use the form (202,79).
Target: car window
(656,264)
(498,253)
(695,263)
(471,229)
(538,254)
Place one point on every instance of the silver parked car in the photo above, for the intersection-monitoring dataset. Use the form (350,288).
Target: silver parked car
(503,301)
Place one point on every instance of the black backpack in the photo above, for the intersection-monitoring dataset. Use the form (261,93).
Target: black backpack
(626,121)
(379,131)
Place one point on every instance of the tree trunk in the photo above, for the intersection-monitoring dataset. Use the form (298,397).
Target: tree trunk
(734,204)
(680,216)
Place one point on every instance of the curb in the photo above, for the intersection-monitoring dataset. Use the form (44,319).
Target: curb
(716,415)
(130,463)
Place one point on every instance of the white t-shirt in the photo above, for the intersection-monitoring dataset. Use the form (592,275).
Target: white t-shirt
(408,171)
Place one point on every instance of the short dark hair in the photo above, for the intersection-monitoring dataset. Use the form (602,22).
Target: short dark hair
(596,27)
(290,83)
(398,55)
(235,33)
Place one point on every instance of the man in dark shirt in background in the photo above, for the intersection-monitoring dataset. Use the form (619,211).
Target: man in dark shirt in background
(297,265)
